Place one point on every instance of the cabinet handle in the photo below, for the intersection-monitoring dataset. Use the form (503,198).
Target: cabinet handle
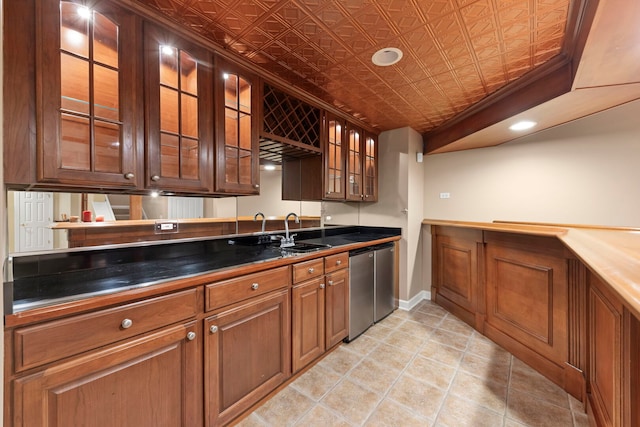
(126,323)
(255,286)
(155,178)
(311,270)
(129,175)
(338,262)
(191,336)
(213,329)
(330,282)
(321,285)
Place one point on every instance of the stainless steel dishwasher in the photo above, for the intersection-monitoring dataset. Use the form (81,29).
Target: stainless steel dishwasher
(371,280)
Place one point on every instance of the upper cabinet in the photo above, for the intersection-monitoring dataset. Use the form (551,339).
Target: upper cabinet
(362,184)
(86,75)
(178,113)
(334,165)
(237,117)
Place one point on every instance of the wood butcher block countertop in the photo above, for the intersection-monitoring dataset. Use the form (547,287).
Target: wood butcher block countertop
(612,253)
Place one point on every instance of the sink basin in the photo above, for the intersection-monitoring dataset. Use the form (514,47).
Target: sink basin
(303,248)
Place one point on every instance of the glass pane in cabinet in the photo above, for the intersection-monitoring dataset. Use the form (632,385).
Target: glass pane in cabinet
(245,96)
(74,84)
(231,165)
(74,28)
(230,127)
(189,115)
(245,131)
(105,40)
(169,155)
(105,93)
(168,110)
(231,91)
(169,66)
(107,147)
(188,73)
(75,140)
(332,156)
(189,158)
(244,176)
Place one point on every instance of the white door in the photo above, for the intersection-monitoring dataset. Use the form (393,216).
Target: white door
(34,214)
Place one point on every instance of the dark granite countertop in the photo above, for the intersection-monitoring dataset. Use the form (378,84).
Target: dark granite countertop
(47,279)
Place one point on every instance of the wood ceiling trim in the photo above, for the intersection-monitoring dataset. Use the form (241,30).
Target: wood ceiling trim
(544,83)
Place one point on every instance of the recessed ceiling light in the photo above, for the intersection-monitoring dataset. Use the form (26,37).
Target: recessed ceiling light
(522,125)
(387,56)
(269,167)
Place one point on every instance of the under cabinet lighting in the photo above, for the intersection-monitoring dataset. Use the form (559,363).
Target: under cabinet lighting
(522,125)
(154,194)
(269,167)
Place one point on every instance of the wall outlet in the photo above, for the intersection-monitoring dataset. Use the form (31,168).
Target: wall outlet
(162,227)
(445,195)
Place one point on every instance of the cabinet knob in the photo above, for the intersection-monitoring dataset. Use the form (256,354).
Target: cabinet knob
(129,175)
(191,336)
(328,192)
(321,285)
(213,329)
(155,178)
(256,186)
(338,262)
(255,286)
(311,270)
(126,323)
(330,282)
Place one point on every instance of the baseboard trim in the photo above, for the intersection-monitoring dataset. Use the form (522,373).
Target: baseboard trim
(420,296)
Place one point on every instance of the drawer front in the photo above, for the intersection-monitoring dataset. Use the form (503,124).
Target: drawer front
(231,291)
(336,262)
(47,342)
(308,270)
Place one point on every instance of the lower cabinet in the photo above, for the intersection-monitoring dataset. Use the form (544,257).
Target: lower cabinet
(337,307)
(149,381)
(308,322)
(247,354)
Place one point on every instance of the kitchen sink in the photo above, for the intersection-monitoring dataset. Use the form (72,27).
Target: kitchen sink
(303,248)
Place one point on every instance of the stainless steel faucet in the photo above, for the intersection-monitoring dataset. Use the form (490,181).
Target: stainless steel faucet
(288,240)
(264,220)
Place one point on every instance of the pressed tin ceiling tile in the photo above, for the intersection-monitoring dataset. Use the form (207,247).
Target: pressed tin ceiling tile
(456,52)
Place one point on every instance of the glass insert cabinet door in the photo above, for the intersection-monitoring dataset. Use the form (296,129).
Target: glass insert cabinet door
(354,163)
(178,98)
(334,186)
(87,126)
(237,115)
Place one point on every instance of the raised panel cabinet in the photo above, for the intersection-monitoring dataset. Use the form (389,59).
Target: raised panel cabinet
(237,109)
(308,322)
(337,306)
(149,381)
(247,354)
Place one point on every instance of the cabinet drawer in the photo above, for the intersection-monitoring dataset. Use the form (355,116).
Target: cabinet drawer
(233,290)
(308,270)
(336,262)
(47,342)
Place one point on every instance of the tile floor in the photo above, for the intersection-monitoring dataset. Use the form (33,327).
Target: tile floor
(422,367)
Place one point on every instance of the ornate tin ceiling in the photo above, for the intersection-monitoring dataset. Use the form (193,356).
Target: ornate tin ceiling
(456,52)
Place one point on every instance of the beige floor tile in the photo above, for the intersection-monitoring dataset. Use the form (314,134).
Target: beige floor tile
(393,357)
(423,399)
(457,412)
(496,370)
(374,376)
(316,382)
(320,416)
(526,379)
(391,414)
(362,345)
(441,353)
(352,401)
(252,420)
(431,372)
(392,321)
(449,338)
(431,308)
(341,360)
(484,347)
(576,405)
(285,408)
(511,423)
(485,393)
(580,419)
(533,412)
(405,341)
(415,328)
(378,331)
(453,324)
(425,319)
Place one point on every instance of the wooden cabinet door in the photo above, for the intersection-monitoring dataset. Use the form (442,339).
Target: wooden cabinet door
(308,320)
(334,163)
(150,381)
(605,354)
(247,354)
(178,106)
(370,167)
(337,307)
(354,139)
(237,114)
(87,81)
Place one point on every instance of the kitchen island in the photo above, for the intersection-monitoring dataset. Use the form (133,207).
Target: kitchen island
(563,298)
